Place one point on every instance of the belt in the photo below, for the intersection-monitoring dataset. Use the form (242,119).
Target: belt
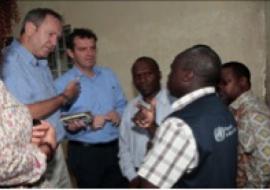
(85,144)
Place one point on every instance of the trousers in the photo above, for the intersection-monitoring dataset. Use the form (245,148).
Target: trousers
(95,165)
(57,172)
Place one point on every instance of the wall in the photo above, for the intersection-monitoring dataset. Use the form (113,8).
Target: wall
(161,29)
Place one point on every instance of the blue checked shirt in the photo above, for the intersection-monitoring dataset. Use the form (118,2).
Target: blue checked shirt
(30,80)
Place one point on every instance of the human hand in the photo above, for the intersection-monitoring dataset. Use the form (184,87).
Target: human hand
(75,125)
(43,135)
(113,117)
(50,136)
(49,142)
(145,117)
(98,122)
(72,90)
(39,132)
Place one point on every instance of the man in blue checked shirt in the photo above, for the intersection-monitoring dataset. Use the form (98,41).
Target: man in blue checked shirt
(27,76)
(93,149)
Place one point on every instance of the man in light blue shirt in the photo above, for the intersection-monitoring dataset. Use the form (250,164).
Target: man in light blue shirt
(37,83)
(133,140)
(28,78)
(93,149)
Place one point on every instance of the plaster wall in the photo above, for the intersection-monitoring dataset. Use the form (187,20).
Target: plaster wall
(161,29)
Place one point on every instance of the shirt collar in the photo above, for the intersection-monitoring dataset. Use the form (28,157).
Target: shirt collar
(79,73)
(192,96)
(26,54)
(159,96)
(241,99)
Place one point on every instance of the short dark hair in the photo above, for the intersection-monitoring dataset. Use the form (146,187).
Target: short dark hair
(146,59)
(81,33)
(37,16)
(239,69)
(203,61)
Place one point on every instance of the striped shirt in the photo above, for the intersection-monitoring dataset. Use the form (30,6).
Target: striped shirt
(174,152)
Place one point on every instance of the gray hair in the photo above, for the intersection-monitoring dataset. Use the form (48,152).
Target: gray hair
(37,16)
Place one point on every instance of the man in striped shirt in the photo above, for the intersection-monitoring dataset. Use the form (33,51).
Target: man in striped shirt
(191,148)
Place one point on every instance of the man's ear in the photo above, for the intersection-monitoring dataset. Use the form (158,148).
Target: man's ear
(187,76)
(70,53)
(243,81)
(30,28)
